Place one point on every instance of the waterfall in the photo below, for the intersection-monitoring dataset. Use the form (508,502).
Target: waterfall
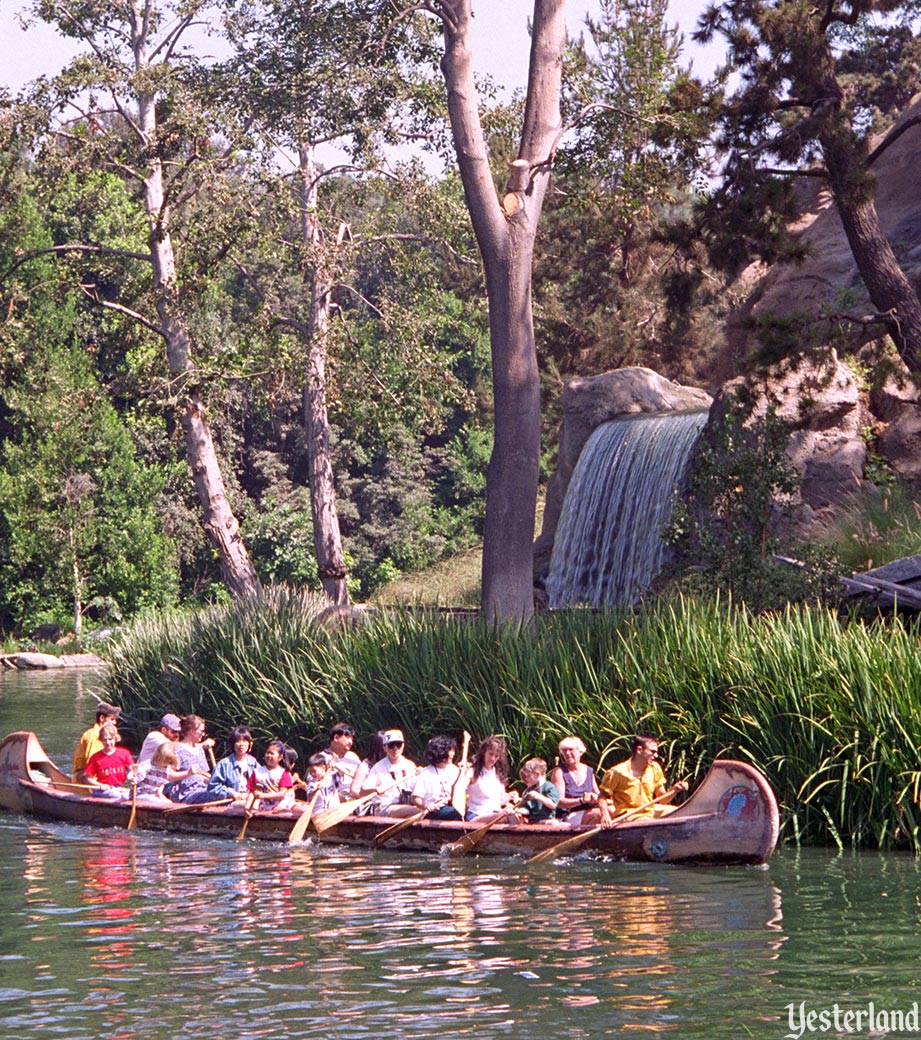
(608,545)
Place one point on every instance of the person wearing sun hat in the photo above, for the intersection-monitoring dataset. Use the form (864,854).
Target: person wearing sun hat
(391,779)
(89,742)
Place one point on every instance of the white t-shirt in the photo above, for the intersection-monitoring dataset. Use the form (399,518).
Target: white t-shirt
(345,767)
(383,773)
(485,794)
(434,786)
(152,741)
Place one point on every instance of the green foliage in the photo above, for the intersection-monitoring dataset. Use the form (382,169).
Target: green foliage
(803,88)
(724,525)
(78,511)
(877,530)
(607,281)
(829,711)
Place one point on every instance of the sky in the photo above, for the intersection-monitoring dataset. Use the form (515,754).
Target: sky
(501,42)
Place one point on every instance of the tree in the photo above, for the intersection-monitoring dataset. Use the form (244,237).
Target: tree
(78,510)
(810,94)
(505,228)
(152,133)
(634,158)
(311,76)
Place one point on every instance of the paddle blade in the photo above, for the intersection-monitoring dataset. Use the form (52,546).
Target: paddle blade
(303,821)
(322,821)
(564,846)
(467,842)
(390,832)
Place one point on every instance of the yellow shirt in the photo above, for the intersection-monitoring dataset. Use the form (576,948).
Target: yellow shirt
(88,746)
(627,791)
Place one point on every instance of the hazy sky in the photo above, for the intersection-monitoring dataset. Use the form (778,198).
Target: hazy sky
(501,44)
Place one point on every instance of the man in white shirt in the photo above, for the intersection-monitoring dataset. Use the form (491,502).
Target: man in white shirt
(342,758)
(167,731)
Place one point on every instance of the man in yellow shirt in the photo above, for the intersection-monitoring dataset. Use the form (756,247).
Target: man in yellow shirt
(635,782)
(89,742)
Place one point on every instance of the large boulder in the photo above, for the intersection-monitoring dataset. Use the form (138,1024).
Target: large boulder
(819,400)
(587,403)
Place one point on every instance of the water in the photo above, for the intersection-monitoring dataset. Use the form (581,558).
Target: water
(608,545)
(122,934)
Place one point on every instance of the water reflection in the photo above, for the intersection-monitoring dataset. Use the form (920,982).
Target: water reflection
(117,934)
(344,943)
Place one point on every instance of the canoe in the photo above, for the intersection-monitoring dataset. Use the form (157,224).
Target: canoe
(731,817)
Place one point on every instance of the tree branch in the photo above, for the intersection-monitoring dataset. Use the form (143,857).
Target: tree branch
(90,291)
(31,254)
(891,137)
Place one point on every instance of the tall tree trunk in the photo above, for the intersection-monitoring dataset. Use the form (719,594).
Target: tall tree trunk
(220,524)
(505,234)
(326,535)
(852,189)
(887,286)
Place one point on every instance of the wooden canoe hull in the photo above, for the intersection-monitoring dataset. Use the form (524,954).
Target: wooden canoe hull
(731,818)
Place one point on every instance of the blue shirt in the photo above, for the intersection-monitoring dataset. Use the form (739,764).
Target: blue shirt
(230,776)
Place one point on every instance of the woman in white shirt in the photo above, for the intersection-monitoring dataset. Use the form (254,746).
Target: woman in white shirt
(486,793)
(434,785)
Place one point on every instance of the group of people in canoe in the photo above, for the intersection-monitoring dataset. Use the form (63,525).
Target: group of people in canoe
(176,764)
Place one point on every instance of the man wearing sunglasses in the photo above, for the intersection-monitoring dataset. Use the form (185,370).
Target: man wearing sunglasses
(635,782)
(391,779)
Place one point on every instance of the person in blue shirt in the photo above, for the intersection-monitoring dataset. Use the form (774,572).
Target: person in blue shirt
(231,775)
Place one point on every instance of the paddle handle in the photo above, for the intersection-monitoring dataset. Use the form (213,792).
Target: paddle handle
(625,814)
(458,797)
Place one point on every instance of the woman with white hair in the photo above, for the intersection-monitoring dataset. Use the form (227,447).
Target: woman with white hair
(579,802)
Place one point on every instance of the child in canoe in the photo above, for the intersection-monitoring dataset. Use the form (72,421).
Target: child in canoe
(271,783)
(321,781)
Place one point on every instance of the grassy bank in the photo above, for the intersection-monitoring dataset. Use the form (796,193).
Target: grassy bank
(828,711)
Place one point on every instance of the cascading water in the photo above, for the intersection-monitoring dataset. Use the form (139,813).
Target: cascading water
(608,545)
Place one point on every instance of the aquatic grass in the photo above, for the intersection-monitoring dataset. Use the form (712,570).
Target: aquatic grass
(827,708)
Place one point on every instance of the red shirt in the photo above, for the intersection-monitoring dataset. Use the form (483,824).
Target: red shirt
(110,770)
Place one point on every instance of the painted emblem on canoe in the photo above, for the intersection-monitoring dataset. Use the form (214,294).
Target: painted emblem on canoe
(740,804)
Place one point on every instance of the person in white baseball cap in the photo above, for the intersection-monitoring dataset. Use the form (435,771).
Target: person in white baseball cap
(391,779)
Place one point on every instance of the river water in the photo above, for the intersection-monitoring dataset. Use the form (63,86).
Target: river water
(114,935)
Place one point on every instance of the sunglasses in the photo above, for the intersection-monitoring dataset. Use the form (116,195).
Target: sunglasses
(395,743)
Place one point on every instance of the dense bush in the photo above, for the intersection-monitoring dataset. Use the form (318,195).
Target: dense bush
(829,711)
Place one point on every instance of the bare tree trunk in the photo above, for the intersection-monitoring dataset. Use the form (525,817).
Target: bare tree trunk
(505,234)
(220,524)
(888,288)
(851,184)
(326,535)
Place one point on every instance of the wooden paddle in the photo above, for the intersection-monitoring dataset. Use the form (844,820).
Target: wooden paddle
(248,806)
(328,818)
(580,839)
(400,825)
(210,751)
(465,844)
(134,804)
(196,806)
(459,790)
(303,821)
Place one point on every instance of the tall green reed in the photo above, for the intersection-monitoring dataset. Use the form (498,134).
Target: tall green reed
(829,710)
